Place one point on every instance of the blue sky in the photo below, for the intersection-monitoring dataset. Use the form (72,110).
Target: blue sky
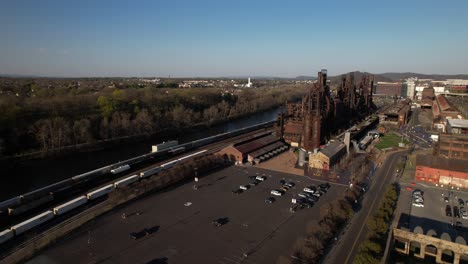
(231,38)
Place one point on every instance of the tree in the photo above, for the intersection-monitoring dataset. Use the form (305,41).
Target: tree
(143,123)
(52,133)
(82,131)
(106,105)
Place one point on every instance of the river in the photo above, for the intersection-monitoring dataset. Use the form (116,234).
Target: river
(25,176)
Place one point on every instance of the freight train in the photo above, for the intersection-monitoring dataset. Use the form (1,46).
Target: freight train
(48,191)
(61,209)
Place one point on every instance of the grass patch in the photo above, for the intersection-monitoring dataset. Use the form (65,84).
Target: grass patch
(389,140)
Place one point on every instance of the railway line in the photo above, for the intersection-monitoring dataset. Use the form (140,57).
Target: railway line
(24,213)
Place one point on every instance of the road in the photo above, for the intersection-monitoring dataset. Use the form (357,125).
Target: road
(356,231)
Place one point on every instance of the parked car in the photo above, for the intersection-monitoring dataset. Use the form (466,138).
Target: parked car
(418,199)
(448,210)
(252,178)
(317,194)
(312,199)
(446,199)
(304,194)
(277,192)
(137,235)
(261,178)
(220,221)
(283,189)
(456,212)
(310,189)
(282,182)
(461,202)
(270,200)
(306,205)
(324,185)
(244,187)
(254,183)
(290,184)
(418,204)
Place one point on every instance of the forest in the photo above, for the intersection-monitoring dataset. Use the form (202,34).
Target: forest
(45,115)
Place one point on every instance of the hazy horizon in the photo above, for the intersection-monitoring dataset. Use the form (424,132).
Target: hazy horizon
(215,39)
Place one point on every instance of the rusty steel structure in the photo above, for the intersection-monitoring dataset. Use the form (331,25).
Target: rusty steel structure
(321,112)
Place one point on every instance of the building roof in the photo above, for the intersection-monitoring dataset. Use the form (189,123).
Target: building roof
(453,138)
(441,163)
(266,149)
(245,148)
(333,148)
(444,104)
(462,123)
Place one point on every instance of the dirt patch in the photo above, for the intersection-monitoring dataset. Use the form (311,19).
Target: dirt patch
(285,162)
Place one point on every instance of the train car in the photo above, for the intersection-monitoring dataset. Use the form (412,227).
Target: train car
(91,174)
(192,155)
(32,222)
(10,203)
(70,205)
(176,150)
(150,172)
(47,190)
(100,192)
(6,235)
(169,164)
(120,169)
(365,142)
(30,205)
(127,181)
(164,145)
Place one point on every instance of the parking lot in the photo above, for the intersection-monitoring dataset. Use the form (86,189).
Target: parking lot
(432,219)
(179,224)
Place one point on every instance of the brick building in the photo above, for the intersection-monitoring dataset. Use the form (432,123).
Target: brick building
(255,148)
(441,171)
(452,146)
(328,156)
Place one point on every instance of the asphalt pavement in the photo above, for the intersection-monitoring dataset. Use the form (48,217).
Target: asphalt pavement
(181,220)
(356,231)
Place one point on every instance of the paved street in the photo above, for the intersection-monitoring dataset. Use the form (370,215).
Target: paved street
(348,244)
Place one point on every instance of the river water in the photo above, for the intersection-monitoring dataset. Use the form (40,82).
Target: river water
(25,176)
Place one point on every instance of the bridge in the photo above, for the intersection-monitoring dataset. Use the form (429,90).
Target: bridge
(429,247)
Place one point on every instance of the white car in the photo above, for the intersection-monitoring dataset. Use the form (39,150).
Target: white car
(244,187)
(309,190)
(419,200)
(276,192)
(318,194)
(418,204)
(260,178)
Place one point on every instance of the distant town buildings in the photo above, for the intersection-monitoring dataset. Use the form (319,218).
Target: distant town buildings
(247,85)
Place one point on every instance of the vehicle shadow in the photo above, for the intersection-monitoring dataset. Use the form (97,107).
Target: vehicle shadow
(162,260)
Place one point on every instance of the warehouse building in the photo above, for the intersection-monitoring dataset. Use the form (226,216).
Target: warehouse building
(442,110)
(327,157)
(396,114)
(441,171)
(452,146)
(255,149)
(457,126)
